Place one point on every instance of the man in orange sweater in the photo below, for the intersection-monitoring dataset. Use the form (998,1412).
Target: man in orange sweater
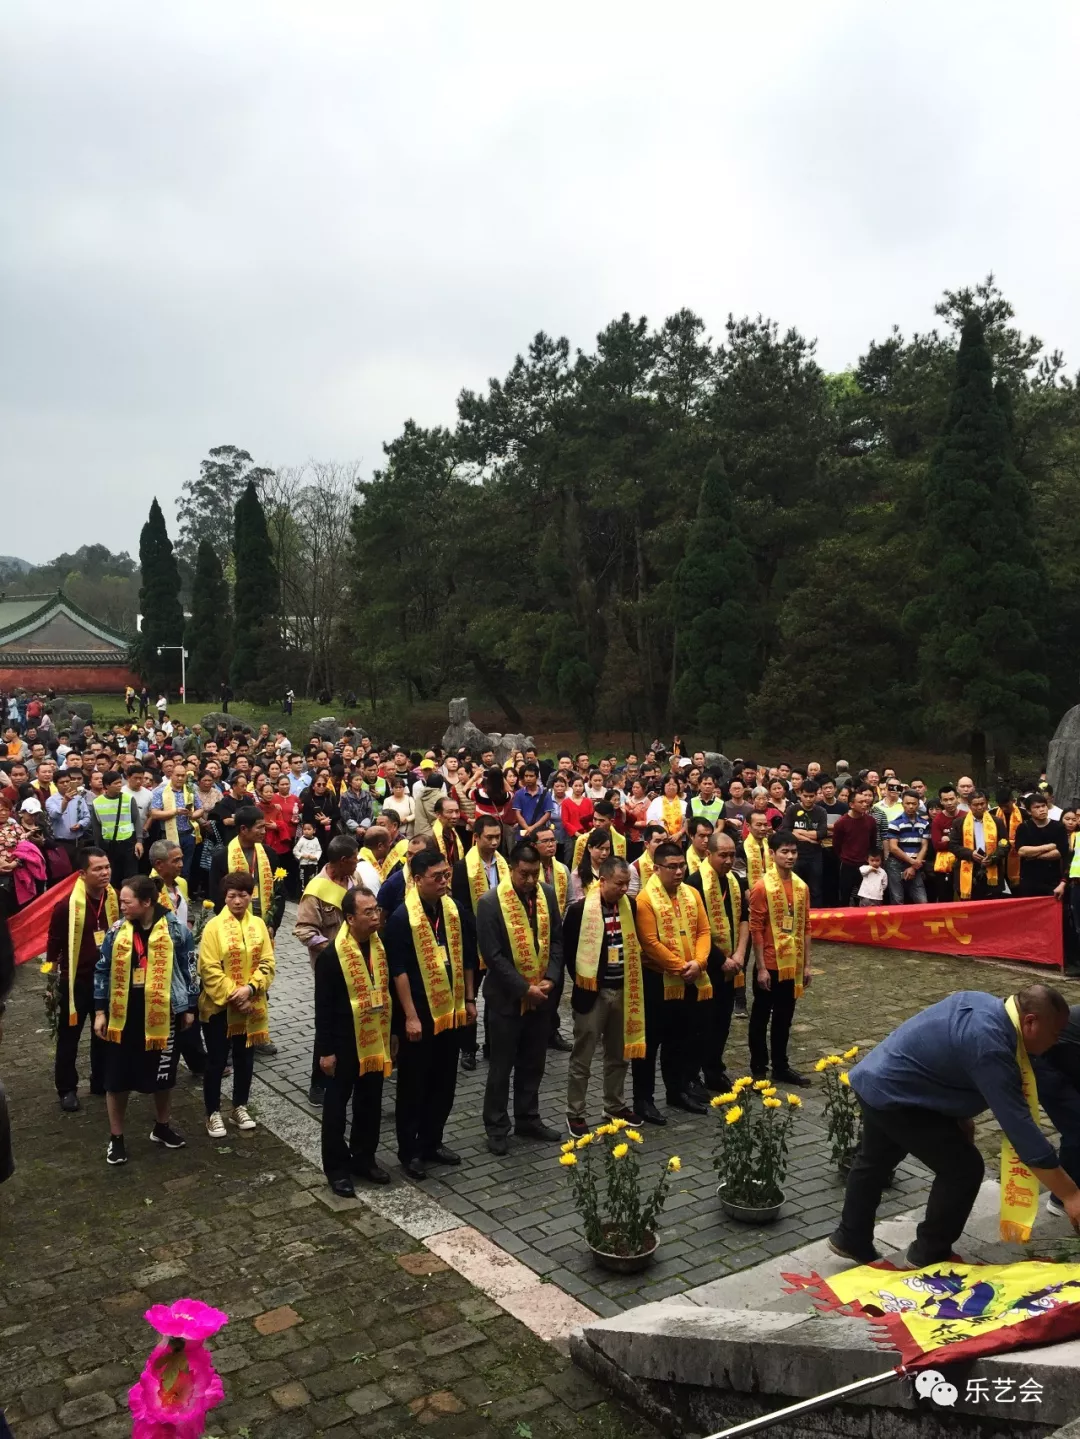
(780,934)
(673,928)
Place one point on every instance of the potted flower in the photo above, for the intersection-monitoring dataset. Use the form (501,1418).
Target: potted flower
(618,1216)
(842,1118)
(751,1153)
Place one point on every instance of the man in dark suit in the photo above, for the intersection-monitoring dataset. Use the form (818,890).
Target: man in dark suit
(724,894)
(523,970)
(393,889)
(979,841)
(480,871)
(600,993)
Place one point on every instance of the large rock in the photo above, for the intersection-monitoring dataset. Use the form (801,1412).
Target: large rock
(718,765)
(326,728)
(61,709)
(217,717)
(1063,760)
(504,745)
(461,733)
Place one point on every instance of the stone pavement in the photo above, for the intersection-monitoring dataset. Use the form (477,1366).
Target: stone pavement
(341,1323)
(857,997)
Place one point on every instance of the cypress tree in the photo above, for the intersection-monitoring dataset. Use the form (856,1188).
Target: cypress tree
(209,630)
(981,664)
(160,607)
(256,670)
(716,635)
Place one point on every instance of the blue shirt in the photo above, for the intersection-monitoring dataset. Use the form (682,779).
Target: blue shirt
(298,783)
(157,801)
(65,813)
(909,831)
(957,1058)
(531,806)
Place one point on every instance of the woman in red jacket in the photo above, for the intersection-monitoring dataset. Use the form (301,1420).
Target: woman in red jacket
(577,810)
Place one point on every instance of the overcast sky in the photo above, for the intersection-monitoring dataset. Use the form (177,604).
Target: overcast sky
(291,226)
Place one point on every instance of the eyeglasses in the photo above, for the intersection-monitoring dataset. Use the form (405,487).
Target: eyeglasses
(673,865)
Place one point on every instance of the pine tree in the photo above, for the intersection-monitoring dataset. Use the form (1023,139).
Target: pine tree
(256,671)
(981,664)
(209,630)
(716,635)
(160,607)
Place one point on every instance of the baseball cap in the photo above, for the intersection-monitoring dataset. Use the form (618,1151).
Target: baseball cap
(427,764)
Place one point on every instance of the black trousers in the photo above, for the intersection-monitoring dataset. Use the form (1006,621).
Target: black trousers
(189,1042)
(365,1092)
(518,1044)
(830,878)
(674,1029)
(777,1003)
(68,1036)
(808,868)
(470,1035)
(426,1081)
(122,859)
(848,882)
(218,1048)
(888,1136)
(720,1010)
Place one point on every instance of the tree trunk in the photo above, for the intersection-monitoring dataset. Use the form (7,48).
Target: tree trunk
(1002,766)
(978,756)
(495,690)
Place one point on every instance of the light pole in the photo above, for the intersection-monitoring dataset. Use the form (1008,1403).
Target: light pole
(183,667)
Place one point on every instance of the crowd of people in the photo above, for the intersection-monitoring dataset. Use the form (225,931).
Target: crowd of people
(669,897)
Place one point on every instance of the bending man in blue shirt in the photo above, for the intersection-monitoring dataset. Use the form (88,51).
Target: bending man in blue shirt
(919,1091)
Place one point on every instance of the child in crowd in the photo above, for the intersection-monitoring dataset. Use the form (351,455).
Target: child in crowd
(308,853)
(875,882)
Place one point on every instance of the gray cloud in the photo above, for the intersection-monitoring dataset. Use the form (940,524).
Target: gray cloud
(291,227)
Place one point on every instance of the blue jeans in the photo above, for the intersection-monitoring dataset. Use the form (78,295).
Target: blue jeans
(187,844)
(901,890)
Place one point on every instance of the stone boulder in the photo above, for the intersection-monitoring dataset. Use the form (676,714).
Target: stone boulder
(719,765)
(211,721)
(326,728)
(61,710)
(1063,760)
(461,733)
(504,745)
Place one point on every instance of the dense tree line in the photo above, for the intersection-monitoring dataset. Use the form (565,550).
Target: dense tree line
(724,537)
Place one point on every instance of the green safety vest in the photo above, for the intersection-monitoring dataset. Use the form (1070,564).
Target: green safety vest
(114,816)
(711,811)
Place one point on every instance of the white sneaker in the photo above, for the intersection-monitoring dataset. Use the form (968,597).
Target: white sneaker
(215,1126)
(1055,1206)
(242,1119)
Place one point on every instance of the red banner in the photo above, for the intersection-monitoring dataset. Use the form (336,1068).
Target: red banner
(30,927)
(1015,929)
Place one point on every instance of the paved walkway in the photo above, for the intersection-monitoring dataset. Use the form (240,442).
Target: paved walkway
(341,1323)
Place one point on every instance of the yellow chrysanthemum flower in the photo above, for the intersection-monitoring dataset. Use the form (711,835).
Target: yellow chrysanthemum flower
(768,1093)
(208,904)
(794,1101)
(605,1129)
(760,1084)
(674,1164)
(566,1148)
(719,1099)
(852,1052)
(634,1135)
(568,1159)
(833,1059)
(844,1080)
(733,1115)
(619,1124)
(47,967)
(620,1151)
(771,1103)
(821,1065)
(742,1083)
(585,1141)
(281,874)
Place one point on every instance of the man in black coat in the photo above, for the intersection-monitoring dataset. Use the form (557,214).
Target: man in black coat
(490,865)
(599,1013)
(730,947)
(251,832)
(518,1006)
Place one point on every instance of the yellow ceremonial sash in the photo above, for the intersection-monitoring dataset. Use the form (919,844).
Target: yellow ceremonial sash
(674,935)
(530,955)
(759,859)
(76,924)
(646,867)
(438,833)
(168,804)
(394,858)
(673,815)
(264,875)
(240,946)
(447,1005)
(560,881)
(1019,1187)
(323,887)
(788,920)
(618,844)
(159,964)
(164,897)
(1012,859)
(693,860)
(723,936)
(587,966)
(366,853)
(369,1000)
(967,869)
